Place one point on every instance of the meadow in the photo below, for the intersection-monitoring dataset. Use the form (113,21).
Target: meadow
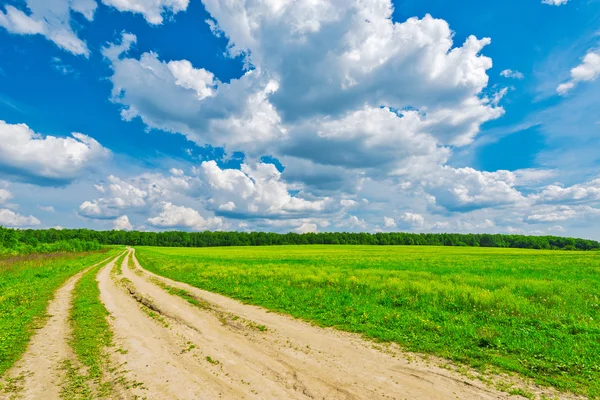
(27,284)
(531,312)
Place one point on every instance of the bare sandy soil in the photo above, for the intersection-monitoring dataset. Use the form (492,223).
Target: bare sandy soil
(165,347)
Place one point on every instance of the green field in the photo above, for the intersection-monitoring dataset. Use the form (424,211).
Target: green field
(533,312)
(27,283)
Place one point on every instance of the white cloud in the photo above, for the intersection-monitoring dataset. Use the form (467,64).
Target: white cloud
(509,73)
(13,219)
(49,209)
(138,193)
(122,224)
(464,189)
(229,206)
(172,216)
(188,77)
(552,214)
(52,19)
(113,51)
(257,191)
(579,193)
(33,156)
(555,2)
(176,97)
(152,10)
(176,172)
(352,222)
(348,203)
(306,228)
(389,222)
(415,220)
(5,195)
(587,71)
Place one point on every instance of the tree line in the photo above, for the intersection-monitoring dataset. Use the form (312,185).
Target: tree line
(36,238)
(15,242)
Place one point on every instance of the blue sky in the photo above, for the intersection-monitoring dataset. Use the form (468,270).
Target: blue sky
(378,115)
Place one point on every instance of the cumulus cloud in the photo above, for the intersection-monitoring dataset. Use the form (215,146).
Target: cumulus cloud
(176,97)
(172,216)
(465,189)
(413,219)
(5,195)
(153,11)
(375,90)
(255,191)
(509,73)
(588,70)
(138,193)
(389,222)
(122,224)
(578,193)
(306,228)
(33,157)
(551,214)
(555,2)
(13,219)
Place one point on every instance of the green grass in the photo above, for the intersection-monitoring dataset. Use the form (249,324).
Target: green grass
(27,284)
(536,313)
(91,336)
(91,332)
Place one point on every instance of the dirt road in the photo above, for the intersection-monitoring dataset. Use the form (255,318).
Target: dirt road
(174,341)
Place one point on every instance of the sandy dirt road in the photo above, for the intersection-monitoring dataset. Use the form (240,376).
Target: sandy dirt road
(221,348)
(38,372)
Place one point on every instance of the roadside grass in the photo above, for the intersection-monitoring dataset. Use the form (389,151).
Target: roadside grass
(91,336)
(27,284)
(531,312)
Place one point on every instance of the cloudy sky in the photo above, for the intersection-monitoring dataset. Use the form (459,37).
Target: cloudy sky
(301,115)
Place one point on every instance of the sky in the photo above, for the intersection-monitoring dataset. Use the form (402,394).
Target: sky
(301,115)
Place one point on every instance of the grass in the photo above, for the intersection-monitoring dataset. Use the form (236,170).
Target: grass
(531,312)
(91,337)
(27,284)
(90,329)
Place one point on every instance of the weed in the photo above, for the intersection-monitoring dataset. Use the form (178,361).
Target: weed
(212,361)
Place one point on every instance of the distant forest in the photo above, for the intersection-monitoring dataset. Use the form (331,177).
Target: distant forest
(48,240)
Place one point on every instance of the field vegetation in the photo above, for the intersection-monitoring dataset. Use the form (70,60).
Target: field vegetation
(27,283)
(531,312)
